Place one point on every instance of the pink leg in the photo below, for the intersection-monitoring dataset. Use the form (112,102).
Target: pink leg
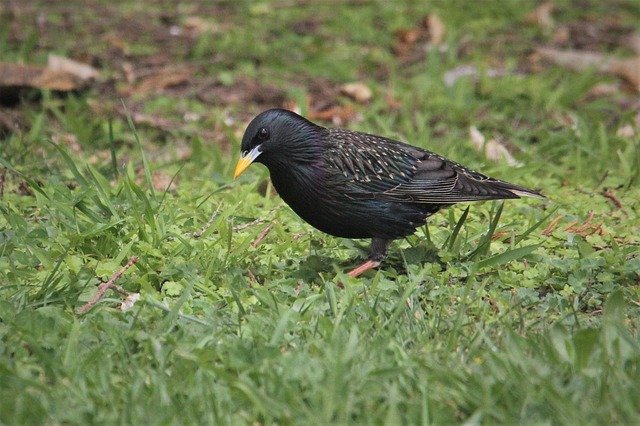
(369,264)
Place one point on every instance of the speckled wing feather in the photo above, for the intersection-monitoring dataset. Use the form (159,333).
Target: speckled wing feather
(380,168)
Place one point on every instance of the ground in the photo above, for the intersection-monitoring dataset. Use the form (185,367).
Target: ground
(238,312)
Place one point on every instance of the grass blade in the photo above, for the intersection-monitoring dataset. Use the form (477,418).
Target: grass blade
(506,257)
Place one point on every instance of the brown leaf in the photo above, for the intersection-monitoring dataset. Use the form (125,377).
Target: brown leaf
(627,131)
(477,138)
(359,92)
(577,60)
(61,74)
(162,181)
(605,34)
(561,36)
(154,121)
(435,28)
(197,25)
(611,195)
(633,41)
(161,80)
(69,140)
(541,15)
(84,72)
(496,151)
(54,80)
(602,90)
(10,121)
(393,104)
(492,149)
(117,43)
(129,301)
(629,69)
(338,115)
(551,226)
(408,35)
(586,228)
(34,76)
(262,235)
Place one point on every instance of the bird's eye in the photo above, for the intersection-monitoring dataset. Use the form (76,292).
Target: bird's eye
(263,133)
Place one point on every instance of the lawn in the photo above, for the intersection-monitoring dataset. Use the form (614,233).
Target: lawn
(517,312)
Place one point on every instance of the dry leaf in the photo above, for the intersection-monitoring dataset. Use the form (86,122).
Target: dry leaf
(99,156)
(393,104)
(577,60)
(541,15)
(408,35)
(129,301)
(492,149)
(338,115)
(61,75)
(129,72)
(162,181)
(197,25)
(292,106)
(561,36)
(53,80)
(117,43)
(601,90)
(627,131)
(69,140)
(495,151)
(8,124)
(633,41)
(154,121)
(84,72)
(436,29)
(451,76)
(19,75)
(359,92)
(161,80)
(629,69)
(477,138)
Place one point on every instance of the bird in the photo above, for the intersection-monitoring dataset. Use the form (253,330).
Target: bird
(358,185)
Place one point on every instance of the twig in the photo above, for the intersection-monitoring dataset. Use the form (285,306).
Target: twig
(3,175)
(102,289)
(252,278)
(609,194)
(552,226)
(586,228)
(206,226)
(255,222)
(262,235)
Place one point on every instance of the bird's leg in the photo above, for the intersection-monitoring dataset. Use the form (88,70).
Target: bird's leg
(377,253)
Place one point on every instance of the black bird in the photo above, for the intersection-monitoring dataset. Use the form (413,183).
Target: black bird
(356,185)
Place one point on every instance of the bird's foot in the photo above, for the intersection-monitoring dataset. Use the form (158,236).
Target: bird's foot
(369,264)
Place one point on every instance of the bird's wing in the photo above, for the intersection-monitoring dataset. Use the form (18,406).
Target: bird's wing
(370,165)
(379,168)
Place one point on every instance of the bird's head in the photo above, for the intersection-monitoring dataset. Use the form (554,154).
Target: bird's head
(278,137)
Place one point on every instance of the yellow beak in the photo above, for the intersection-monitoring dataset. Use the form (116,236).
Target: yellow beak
(242,165)
(246,160)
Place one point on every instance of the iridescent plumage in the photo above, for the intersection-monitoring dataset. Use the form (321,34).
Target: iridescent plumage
(357,185)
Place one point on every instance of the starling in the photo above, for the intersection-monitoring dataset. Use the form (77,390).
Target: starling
(356,185)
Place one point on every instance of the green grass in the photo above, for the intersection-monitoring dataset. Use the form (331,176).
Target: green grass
(518,312)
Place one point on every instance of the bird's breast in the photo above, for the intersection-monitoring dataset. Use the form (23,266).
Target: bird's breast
(319,198)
